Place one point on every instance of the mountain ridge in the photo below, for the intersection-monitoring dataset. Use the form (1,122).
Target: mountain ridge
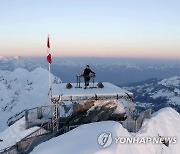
(157,93)
(114,70)
(22,89)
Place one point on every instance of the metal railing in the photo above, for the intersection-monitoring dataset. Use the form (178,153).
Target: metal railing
(42,134)
(15,118)
(134,125)
(43,112)
(143,115)
(9,150)
(37,116)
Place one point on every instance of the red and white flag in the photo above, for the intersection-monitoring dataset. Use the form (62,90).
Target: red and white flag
(49,58)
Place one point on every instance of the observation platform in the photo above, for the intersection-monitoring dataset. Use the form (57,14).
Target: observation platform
(109,91)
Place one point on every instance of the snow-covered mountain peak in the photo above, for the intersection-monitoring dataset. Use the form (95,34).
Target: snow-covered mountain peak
(17,57)
(157,93)
(19,73)
(166,110)
(163,123)
(173,81)
(22,89)
(38,76)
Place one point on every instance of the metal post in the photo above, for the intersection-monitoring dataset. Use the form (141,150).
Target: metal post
(55,108)
(50,84)
(77,80)
(26,119)
(39,112)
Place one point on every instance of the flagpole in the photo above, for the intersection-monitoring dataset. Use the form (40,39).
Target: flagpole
(53,102)
(49,61)
(50,84)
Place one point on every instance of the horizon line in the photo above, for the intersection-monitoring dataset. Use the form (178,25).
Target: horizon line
(100,57)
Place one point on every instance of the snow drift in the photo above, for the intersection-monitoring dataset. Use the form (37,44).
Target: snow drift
(83,140)
(15,133)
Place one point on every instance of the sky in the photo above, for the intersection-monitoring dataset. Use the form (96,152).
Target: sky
(91,28)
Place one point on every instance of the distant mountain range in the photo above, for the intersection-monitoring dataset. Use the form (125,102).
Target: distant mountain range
(156,93)
(114,70)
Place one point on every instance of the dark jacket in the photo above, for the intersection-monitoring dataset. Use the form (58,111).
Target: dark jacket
(88,71)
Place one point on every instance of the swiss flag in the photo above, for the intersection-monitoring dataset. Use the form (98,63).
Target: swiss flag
(49,58)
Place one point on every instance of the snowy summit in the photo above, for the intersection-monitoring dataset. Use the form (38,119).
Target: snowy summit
(21,90)
(83,140)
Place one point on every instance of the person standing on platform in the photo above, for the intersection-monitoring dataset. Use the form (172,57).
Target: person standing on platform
(86,74)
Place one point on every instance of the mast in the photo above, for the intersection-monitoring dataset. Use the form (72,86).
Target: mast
(49,61)
(53,101)
(50,83)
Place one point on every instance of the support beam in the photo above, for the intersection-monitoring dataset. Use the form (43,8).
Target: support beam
(55,111)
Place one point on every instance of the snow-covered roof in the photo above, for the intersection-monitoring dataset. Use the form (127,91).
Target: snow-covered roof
(75,93)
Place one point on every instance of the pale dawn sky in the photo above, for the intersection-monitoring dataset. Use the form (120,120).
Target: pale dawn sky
(91,28)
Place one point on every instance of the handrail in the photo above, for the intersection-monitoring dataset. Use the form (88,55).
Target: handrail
(10,122)
(8,150)
(66,128)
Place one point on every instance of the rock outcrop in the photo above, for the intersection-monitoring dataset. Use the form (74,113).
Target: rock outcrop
(97,110)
